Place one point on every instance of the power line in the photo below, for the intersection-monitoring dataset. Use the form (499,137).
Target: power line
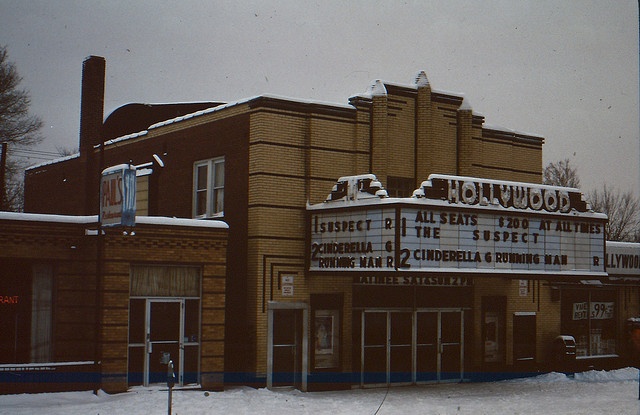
(31,154)
(33,157)
(36,152)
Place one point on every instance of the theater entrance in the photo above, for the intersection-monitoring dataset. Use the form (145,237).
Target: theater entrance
(411,346)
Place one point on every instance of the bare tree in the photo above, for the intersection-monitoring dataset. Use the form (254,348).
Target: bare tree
(67,151)
(561,173)
(623,210)
(18,129)
(14,185)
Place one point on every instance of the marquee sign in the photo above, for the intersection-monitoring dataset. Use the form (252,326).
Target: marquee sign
(118,196)
(461,224)
(623,259)
(436,239)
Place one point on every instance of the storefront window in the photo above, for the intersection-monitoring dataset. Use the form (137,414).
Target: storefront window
(589,316)
(26,310)
(41,313)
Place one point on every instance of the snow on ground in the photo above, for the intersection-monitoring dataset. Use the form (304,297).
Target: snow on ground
(595,392)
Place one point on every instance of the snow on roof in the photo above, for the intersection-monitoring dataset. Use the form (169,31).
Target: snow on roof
(54,161)
(244,101)
(118,168)
(377,88)
(93,219)
(124,138)
(624,244)
(496,127)
(421,79)
(193,115)
(465,106)
(196,223)
(41,217)
(451,93)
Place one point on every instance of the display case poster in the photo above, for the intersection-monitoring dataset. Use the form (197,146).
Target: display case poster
(326,339)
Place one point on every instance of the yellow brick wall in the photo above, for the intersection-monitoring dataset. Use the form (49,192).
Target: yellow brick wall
(401,142)
(142,195)
(538,300)
(296,157)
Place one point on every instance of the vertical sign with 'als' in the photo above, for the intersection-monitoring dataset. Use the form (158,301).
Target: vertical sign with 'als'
(118,196)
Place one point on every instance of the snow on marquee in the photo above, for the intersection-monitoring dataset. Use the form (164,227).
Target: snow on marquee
(453,224)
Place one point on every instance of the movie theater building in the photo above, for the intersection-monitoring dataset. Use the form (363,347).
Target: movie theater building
(469,278)
(88,306)
(258,163)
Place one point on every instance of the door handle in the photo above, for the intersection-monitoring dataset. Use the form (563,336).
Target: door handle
(150,348)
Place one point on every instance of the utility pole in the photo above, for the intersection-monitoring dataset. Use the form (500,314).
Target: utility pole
(3,175)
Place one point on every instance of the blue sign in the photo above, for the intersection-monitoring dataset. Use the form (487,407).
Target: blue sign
(118,196)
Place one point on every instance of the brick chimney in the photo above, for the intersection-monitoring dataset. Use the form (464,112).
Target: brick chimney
(91,121)
(91,103)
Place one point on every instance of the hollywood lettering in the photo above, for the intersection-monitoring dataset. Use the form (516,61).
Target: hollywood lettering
(508,194)
(623,261)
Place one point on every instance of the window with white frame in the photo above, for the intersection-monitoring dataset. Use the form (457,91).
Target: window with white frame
(208,188)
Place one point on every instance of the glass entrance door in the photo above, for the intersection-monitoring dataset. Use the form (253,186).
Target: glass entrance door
(406,347)
(287,347)
(427,356)
(163,329)
(387,347)
(374,348)
(400,347)
(164,334)
(451,345)
(439,345)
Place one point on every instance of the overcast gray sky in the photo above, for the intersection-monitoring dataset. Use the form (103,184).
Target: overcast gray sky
(563,69)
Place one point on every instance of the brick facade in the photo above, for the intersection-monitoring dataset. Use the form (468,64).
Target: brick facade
(91,297)
(282,154)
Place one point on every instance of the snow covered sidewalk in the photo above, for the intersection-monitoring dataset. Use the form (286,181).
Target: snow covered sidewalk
(614,392)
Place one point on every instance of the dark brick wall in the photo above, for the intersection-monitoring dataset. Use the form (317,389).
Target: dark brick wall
(80,314)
